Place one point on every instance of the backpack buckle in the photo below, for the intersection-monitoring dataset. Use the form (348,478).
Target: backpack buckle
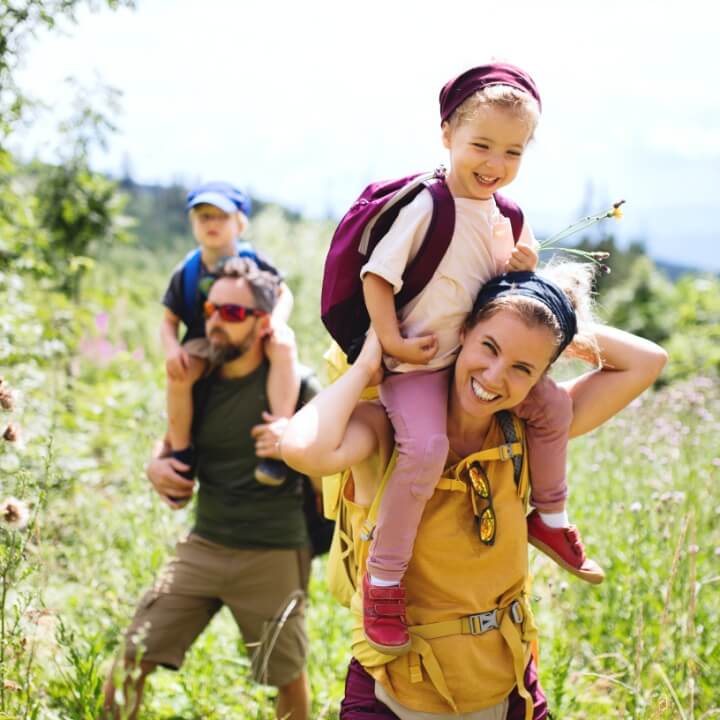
(506,452)
(516,612)
(482,622)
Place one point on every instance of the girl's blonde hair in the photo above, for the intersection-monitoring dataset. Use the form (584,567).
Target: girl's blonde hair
(504,97)
(576,281)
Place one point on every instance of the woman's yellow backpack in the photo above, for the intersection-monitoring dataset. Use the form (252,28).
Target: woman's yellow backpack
(346,555)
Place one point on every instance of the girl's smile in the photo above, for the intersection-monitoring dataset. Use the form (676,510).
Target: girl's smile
(485,151)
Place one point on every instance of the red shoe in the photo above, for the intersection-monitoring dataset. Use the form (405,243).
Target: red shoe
(565,547)
(384,618)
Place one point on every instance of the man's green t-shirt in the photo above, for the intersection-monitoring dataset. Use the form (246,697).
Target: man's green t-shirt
(233,508)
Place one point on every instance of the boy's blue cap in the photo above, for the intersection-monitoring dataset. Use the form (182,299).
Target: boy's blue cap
(220,194)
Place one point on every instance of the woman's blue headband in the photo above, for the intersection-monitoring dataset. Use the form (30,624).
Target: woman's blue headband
(531,285)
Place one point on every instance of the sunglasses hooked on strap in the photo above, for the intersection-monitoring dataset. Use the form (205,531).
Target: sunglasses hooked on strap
(481,495)
(230,312)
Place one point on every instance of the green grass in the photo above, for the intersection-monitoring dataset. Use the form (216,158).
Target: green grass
(645,492)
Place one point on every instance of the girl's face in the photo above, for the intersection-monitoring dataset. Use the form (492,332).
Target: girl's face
(500,360)
(485,151)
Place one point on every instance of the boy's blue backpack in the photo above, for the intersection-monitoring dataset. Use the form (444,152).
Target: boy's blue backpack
(192,265)
(365,223)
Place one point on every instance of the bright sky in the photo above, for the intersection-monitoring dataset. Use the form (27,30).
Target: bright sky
(304,103)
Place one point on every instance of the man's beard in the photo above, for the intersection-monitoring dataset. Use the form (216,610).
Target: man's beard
(225,352)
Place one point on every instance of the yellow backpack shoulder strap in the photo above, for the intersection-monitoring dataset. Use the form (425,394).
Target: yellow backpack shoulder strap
(369,525)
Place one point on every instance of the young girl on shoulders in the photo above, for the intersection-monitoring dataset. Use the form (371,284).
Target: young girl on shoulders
(488,117)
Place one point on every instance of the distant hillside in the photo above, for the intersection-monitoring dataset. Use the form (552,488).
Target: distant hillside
(160,215)
(675,271)
(161,222)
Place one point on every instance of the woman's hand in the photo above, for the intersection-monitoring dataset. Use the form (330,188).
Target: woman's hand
(267,436)
(370,358)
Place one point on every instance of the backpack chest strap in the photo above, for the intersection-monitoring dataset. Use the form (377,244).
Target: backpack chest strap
(475,624)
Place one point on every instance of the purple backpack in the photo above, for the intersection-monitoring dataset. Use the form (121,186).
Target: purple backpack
(342,303)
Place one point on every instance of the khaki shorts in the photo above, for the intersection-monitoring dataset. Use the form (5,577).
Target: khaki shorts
(257,585)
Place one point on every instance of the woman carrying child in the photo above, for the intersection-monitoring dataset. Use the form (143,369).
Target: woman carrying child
(488,116)
(470,622)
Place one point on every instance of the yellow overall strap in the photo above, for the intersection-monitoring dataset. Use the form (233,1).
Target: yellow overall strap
(510,632)
(507,620)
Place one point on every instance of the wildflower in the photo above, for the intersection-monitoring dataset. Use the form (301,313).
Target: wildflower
(636,507)
(551,243)
(12,433)
(693,549)
(14,513)
(717,551)
(616,212)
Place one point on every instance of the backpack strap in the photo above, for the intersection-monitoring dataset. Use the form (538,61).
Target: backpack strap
(507,425)
(192,265)
(512,212)
(434,245)
(190,279)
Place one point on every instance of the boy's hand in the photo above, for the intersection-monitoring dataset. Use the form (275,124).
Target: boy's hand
(177,363)
(267,436)
(279,342)
(523,258)
(418,351)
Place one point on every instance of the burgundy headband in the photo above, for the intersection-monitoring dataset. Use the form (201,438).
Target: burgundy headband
(463,86)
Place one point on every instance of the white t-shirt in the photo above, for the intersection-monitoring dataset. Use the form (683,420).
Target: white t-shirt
(480,246)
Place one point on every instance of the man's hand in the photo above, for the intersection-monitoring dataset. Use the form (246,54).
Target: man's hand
(177,363)
(267,436)
(162,472)
(524,258)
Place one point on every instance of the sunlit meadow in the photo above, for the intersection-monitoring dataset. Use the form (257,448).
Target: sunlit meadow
(82,533)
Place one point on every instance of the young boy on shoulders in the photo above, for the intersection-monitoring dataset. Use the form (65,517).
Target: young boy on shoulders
(218,214)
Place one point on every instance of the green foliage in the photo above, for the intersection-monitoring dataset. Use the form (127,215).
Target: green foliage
(684,317)
(644,494)
(20,21)
(645,304)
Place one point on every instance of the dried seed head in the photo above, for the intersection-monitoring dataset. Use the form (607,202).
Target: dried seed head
(7,402)
(14,513)
(12,433)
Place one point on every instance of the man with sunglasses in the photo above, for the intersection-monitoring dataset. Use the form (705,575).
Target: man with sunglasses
(248,548)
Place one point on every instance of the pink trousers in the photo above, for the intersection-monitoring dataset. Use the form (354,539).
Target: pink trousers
(416,404)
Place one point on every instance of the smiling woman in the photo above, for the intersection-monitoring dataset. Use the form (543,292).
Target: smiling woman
(469,640)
